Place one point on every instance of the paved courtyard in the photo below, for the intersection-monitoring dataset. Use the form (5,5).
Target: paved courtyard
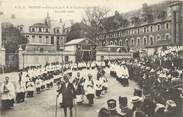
(43,105)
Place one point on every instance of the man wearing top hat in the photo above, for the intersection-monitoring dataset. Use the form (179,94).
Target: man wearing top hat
(111,103)
(68,95)
(123,105)
(137,111)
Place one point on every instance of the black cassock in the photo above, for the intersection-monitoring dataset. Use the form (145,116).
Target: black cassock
(68,94)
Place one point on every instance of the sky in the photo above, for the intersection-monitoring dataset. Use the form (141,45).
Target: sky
(65,9)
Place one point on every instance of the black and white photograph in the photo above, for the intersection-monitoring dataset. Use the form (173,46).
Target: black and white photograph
(91,58)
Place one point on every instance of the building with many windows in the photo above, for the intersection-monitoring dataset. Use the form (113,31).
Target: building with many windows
(45,36)
(150,27)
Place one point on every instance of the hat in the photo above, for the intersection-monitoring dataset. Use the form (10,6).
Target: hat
(111,104)
(137,92)
(152,70)
(123,101)
(159,108)
(136,99)
(171,103)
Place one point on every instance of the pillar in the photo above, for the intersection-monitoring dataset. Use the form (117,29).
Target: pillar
(20,58)
(2,49)
(176,21)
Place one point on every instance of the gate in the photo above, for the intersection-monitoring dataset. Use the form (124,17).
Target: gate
(11,61)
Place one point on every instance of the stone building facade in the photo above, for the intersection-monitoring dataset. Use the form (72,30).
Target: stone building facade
(150,27)
(44,36)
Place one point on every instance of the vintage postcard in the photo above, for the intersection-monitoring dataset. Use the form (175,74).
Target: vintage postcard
(91,58)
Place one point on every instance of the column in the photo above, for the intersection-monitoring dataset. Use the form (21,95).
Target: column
(20,58)
(2,50)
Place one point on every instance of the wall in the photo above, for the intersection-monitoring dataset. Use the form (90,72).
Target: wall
(34,59)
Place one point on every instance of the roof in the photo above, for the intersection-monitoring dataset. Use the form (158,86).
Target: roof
(39,25)
(78,41)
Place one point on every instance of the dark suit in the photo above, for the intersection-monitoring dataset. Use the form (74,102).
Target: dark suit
(68,94)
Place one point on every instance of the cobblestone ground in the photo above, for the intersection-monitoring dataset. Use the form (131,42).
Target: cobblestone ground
(43,105)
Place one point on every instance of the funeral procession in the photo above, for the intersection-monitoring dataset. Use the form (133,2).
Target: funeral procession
(91,58)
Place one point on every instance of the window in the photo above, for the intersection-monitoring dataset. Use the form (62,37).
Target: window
(40,36)
(58,31)
(151,40)
(127,42)
(27,35)
(41,49)
(138,30)
(167,36)
(145,40)
(158,27)
(158,37)
(40,30)
(46,30)
(52,40)
(33,36)
(167,26)
(111,43)
(138,42)
(151,28)
(33,30)
(58,37)
(132,42)
(46,36)
(144,29)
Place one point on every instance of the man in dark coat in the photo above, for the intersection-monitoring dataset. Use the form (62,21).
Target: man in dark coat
(125,110)
(68,95)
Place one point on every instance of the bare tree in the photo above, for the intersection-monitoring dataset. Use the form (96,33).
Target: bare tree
(92,18)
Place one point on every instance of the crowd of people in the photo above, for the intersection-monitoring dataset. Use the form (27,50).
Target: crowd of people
(36,79)
(75,89)
(30,81)
(160,91)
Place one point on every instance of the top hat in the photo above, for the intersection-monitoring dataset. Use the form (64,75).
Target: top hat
(111,104)
(123,101)
(137,92)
